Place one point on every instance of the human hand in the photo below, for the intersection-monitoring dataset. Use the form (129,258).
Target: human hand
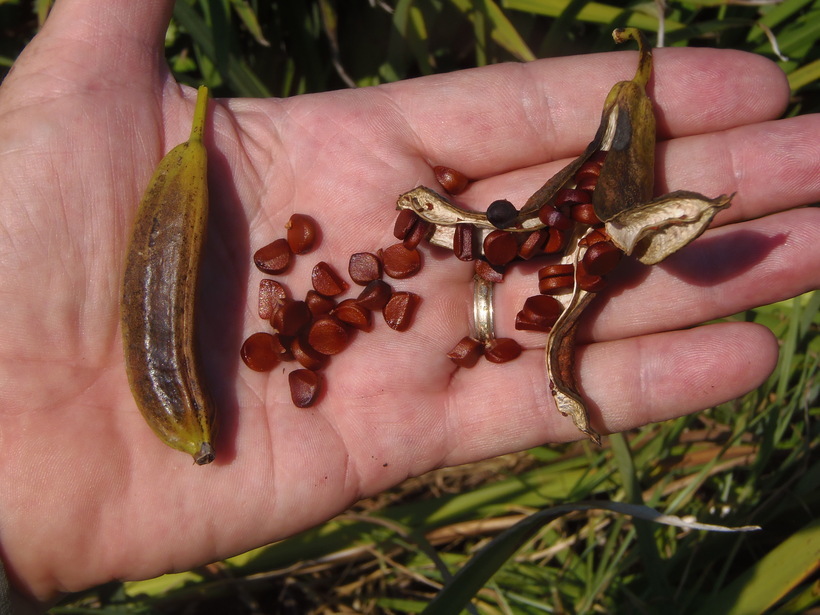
(90,494)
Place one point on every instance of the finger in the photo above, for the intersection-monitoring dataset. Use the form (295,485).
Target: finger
(511,116)
(85,42)
(496,409)
(726,271)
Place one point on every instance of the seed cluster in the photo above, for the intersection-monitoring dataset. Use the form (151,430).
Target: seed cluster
(312,330)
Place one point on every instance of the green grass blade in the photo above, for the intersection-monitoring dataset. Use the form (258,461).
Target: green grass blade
(594,12)
(771,578)
(502,31)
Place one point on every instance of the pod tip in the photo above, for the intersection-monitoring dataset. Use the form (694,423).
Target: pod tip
(205,455)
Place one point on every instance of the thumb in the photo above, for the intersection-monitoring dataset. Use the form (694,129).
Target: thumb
(87,44)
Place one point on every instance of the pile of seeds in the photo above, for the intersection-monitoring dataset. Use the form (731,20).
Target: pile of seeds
(309,331)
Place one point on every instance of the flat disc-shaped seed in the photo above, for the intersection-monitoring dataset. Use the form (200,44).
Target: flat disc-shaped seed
(601,258)
(319,304)
(353,313)
(307,356)
(304,387)
(259,352)
(467,352)
(399,311)
(375,295)
(400,262)
(491,273)
(464,242)
(533,243)
(271,296)
(539,313)
(451,180)
(500,247)
(326,281)
(404,224)
(502,349)
(301,233)
(291,317)
(273,258)
(364,267)
(327,335)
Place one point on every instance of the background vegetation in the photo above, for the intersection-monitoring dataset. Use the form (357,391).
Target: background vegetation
(751,461)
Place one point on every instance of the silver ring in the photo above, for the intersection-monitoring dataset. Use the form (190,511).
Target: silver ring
(483,326)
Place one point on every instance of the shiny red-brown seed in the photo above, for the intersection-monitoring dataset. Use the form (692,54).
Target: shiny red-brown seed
(404,224)
(364,267)
(451,180)
(399,311)
(571,196)
(584,213)
(319,304)
(305,385)
(464,242)
(533,244)
(558,269)
(539,313)
(273,258)
(593,236)
(587,182)
(353,313)
(307,356)
(271,296)
(491,273)
(554,218)
(502,349)
(467,352)
(556,241)
(556,278)
(589,171)
(399,262)
(419,232)
(301,233)
(601,258)
(375,295)
(258,352)
(587,281)
(327,335)
(291,317)
(326,281)
(281,344)
(500,247)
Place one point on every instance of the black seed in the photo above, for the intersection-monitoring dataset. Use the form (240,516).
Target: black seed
(501,213)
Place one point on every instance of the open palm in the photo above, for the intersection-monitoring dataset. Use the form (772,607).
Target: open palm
(90,494)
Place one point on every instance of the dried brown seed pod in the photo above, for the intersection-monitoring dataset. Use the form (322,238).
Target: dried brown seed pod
(375,295)
(467,352)
(400,262)
(451,180)
(502,349)
(258,352)
(326,281)
(271,296)
(364,267)
(301,234)
(500,247)
(304,387)
(327,335)
(399,311)
(273,258)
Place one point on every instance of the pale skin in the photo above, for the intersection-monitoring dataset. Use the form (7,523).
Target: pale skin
(89,493)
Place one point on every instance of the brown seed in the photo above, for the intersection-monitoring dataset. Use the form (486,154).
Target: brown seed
(319,304)
(587,281)
(304,387)
(571,196)
(258,352)
(601,258)
(281,344)
(291,317)
(271,296)
(301,233)
(405,222)
(491,273)
(273,258)
(400,262)
(500,247)
(593,236)
(554,218)
(307,355)
(502,349)
(584,213)
(419,232)
(327,335)
(353,313)
(587,182)
(451,180)
(533,243)
(539,313)
(364,267)
(467,352)
(556,241)
(399,311)
(375,295)
(464,242)
(326,281)
(554,279)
